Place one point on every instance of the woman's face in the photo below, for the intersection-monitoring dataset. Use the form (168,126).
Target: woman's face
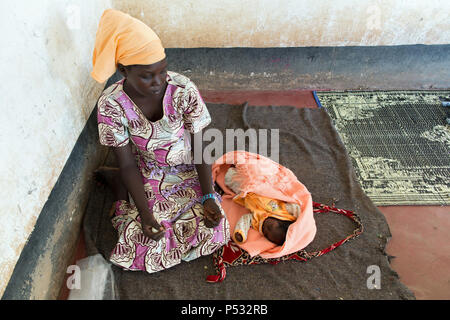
(147,80)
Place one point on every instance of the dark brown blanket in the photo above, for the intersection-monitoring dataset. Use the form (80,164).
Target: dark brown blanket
(311,148)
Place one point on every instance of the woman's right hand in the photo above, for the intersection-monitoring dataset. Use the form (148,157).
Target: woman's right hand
(150,225)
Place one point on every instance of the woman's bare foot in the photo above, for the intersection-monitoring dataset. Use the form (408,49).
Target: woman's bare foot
(110,177)
(106,176)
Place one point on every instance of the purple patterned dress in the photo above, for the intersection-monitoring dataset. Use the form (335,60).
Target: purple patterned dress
(171,183)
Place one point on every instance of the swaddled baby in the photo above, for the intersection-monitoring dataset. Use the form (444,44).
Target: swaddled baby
(270,217)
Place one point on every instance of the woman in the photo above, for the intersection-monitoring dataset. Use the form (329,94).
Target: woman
(148,118)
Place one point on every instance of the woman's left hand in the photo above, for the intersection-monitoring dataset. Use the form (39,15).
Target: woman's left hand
(212,213)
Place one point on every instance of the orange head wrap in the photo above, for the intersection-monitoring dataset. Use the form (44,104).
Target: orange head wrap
(123,39)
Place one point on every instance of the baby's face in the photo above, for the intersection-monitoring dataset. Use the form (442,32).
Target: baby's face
(273,231)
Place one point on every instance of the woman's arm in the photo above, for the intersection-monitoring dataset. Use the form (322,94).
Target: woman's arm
(212,211)
(132,180)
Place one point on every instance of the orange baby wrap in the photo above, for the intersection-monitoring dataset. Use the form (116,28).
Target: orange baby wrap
(266,178)
(263,208)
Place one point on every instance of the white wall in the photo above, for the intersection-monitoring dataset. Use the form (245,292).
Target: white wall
(46,97)
(293,23)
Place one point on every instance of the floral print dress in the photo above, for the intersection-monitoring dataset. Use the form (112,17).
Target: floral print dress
(171,183)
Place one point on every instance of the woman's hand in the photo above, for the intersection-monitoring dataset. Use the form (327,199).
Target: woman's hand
(132,179)
(212,213)
(151,227)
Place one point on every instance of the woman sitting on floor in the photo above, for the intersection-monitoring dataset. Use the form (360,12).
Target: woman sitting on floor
(147,118)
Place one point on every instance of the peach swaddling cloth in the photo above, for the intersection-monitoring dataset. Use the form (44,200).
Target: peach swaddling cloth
(264,177)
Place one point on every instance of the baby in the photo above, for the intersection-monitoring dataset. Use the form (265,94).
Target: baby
(270,217)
